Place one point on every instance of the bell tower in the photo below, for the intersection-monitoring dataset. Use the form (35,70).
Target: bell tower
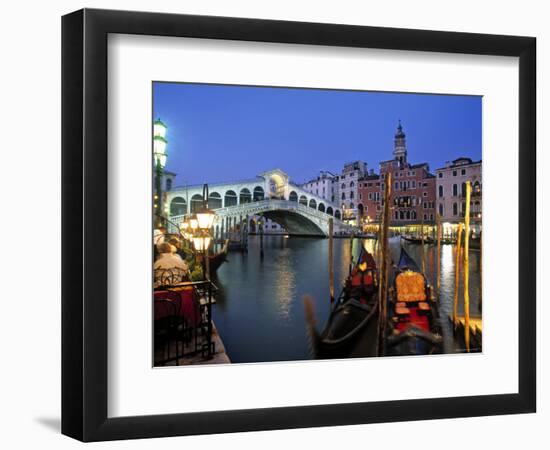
(400,146)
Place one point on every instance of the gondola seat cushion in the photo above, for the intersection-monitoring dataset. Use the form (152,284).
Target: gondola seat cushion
(423,306)
(410,287)
(402,311)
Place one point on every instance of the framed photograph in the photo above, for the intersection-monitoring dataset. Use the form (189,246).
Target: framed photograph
(273,224)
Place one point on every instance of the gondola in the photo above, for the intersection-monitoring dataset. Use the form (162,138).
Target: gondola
(417,240)
(351,326)
(414,322)
(215,260)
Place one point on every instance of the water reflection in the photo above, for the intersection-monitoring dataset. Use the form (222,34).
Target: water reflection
(259,309)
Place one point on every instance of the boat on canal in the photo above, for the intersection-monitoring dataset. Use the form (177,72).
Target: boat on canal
(351,327)
(417,240)
(414,326)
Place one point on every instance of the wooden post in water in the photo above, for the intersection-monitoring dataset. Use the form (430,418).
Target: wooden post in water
(383,281)
(331,258)
(467,268)
(261,225)
(457,273)
(350,252)
(423,251)
(438,230)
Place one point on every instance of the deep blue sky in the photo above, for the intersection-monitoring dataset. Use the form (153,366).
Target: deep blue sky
(224,133)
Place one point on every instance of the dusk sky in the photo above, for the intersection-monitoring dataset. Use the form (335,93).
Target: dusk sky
(222,133)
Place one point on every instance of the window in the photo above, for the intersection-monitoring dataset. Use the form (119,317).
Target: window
(455,209)
(425,216)
(351,205)
(440,174)
(343,185)
(441,191)
(424,194)
(414,184)
(441,209)
(168,184)
(455,190)
(454,173)
(370,196)
(360,196)
(343,195)
(463,189)
(351,194)
(463,172)
(352,184)
(431,217)
(425,205)
(396,185)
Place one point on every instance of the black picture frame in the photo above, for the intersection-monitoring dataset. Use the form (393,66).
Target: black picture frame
(84,224)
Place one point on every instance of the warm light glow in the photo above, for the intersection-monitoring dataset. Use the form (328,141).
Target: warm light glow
(205,219)
(159,128)
(201,243)
(159,149)
(184,225)
(193,223)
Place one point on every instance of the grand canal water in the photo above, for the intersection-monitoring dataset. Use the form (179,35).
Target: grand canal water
(259,311)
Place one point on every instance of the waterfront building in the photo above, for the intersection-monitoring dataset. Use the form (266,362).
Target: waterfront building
(413,189)
(324,186)
(451,190)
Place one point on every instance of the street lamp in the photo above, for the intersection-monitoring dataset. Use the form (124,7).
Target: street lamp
(160,155)
(205,217)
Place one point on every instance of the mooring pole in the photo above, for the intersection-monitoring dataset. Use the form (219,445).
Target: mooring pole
(261,225)
(467,268)
(457,273)
(422,240)
(383,282)
(438,230)
(331,258)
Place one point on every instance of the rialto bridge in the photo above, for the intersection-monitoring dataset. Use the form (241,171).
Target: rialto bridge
(270,194)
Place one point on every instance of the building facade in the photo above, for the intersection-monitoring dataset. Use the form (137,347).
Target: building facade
(324,186)
(451,190)
(413,189)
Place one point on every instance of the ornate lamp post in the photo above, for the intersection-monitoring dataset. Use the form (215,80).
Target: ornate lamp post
(159,153)
(202,225)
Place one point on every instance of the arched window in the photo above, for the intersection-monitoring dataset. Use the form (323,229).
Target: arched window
(321,207)
(343,195)
(360,209)
(401,215)
(413,215)
(408,215)
(303,200)
(168,184)
(178,206)
(258,194)
(343,185)
(441,209)
(293,197)
(196,202)
(455,208)
(455,190)
(396,215)
(477,187)
(313,204)
(230,199)
(351,205)
(337,214)
(245,196)
(464,190)
(330,212)
(351,184)
(441,191)
(214,200)
(351,194)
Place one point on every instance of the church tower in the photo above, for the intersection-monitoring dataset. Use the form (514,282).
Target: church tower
(400,146)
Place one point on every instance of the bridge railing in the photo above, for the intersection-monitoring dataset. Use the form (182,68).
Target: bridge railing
(258,207)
